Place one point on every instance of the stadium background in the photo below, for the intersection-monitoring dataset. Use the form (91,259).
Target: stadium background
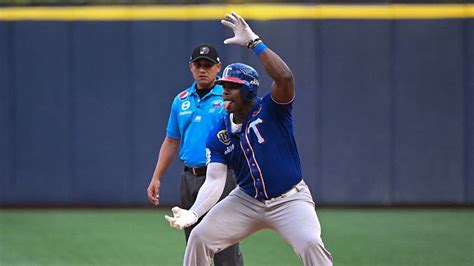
(384,117)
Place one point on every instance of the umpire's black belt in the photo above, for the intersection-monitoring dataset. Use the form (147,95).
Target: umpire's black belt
(198,171)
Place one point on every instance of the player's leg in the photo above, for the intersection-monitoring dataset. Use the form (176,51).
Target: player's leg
(296,220)
(190,185)
(230,256)
(228,222)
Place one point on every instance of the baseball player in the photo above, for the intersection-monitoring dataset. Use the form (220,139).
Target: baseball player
(194,111)
(256,140)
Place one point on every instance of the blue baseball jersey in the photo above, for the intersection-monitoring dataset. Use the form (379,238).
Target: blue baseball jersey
(190,120)
(263,154)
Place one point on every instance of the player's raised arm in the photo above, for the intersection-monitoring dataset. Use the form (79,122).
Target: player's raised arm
(283,86)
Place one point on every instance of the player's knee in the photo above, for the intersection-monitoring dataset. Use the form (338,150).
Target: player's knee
(309,242)
(311,249)
(198,235)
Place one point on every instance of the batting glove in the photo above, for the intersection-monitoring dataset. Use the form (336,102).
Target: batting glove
(181,218)
(243,33)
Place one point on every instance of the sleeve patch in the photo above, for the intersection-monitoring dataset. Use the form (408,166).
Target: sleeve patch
(223,137)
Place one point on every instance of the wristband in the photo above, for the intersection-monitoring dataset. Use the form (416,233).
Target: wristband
(253,43)
(259,48)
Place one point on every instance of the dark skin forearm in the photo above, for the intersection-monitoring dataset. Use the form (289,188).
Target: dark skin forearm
(283,86)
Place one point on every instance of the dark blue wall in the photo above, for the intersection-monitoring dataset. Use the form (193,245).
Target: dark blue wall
(429,112)
(468,137)
(6,121)
(355,112)
(384,111)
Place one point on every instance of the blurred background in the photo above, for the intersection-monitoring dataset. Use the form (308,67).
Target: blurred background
(384,117)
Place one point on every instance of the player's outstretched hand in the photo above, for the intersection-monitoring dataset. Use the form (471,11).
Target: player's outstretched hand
(181,218)
(243,33)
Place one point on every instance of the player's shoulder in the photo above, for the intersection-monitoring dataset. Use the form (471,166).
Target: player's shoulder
(269,103)
(267,98)
(219,126)
(266,101)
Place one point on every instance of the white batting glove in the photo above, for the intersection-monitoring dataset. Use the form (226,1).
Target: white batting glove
(243,33)
(181,218)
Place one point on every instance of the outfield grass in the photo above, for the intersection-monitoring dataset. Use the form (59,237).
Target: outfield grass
(142,237)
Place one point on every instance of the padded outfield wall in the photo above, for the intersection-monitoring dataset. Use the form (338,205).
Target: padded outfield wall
(384,112)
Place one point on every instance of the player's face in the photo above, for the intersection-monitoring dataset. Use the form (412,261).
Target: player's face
(204,72)
(233,103)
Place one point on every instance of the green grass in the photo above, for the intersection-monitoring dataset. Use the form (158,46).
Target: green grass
(142,237)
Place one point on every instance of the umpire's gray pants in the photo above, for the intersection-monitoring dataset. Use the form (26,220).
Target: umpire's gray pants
(240,215)
(190,185)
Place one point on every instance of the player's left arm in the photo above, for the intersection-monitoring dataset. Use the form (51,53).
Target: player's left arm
(208,195)
(283,86)
(210,191)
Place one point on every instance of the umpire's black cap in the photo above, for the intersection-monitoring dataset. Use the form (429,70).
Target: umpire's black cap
(205,51)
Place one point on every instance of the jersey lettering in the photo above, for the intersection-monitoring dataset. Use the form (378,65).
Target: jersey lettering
(253,126)
(229,149)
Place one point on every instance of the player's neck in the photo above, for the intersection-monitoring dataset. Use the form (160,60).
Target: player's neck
(240,116)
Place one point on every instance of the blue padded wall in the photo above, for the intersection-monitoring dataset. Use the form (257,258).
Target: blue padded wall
(469,110)
(40,154)
(101,112)
(355,112)
(428,118)
(5,109)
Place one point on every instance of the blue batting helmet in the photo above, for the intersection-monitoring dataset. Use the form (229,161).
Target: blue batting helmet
(242,74)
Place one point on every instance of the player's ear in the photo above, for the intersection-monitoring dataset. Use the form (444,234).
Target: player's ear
(190,65)
(219,66)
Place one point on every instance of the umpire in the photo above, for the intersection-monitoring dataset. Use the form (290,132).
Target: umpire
(194,112)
